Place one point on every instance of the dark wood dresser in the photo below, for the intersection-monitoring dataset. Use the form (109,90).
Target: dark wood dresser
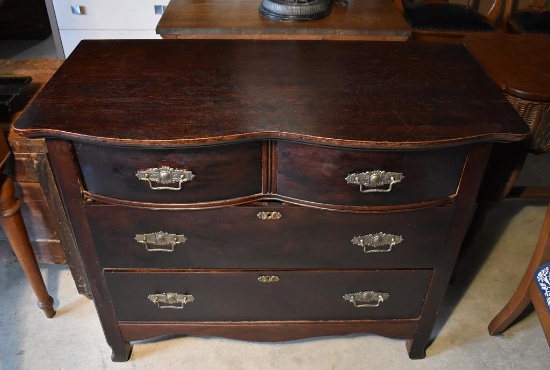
(269,190)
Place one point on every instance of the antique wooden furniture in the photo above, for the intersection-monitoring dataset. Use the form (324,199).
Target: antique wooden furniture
(519,68)
(444,21)
(14,227)
(535,18)
(240,19)
(41,206)
(76,20)
(528,291)
(269,190)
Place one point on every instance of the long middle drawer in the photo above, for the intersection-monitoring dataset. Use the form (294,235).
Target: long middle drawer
(281,236)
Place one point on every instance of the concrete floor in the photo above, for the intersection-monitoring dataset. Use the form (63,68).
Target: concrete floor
(73,339)
(26,49)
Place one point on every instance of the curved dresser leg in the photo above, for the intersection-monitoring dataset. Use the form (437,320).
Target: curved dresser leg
(14,228)
(121,351)
(520,299)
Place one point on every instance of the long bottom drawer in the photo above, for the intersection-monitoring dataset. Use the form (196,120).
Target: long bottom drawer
(268,295)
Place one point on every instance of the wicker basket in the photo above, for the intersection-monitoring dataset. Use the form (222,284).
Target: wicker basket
(537,116)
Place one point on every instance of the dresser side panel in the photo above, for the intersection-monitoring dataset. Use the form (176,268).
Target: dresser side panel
(470,181)
(64,168)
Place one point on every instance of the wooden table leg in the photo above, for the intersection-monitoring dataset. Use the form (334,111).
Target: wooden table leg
(16,232)
(521,298)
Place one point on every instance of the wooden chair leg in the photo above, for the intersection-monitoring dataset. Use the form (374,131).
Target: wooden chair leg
(16,232)
(521,297)
(541,309)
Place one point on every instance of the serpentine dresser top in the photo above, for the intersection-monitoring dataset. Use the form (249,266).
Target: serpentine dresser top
(269,190)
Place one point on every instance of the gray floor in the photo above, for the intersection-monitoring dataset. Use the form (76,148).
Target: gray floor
(26,49)
(73,339)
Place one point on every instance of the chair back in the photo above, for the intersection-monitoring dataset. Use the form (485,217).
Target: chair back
(535,18)
(448,21)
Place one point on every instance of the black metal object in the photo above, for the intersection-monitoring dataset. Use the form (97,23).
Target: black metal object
(295,10)
(12,95)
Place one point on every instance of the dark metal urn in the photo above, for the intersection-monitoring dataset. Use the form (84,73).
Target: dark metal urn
(295,10)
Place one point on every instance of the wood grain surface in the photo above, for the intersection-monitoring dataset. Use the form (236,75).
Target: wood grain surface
(240,19)
(519,64)
(363,94)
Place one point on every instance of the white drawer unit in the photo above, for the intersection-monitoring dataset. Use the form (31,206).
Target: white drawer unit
(105,19)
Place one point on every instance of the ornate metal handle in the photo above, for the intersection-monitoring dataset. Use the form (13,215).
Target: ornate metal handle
(269,215)
(368,296)
(374,179)
(160,238)
(171,300)
(268,279)
(375,241)
(165,175)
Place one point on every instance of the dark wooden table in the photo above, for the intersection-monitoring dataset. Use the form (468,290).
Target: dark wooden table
(520,66)
(240,19)
(41,208)
(16,232)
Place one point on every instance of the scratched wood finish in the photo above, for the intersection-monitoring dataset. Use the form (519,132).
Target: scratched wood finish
(378,94)
(176,95)
(240,19)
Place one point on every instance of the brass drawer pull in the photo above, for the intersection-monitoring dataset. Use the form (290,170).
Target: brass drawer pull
(269,215)
(268,279)
(171,300)
(366,299)
(160,238)
(165,175)
(371,243)
(372,180)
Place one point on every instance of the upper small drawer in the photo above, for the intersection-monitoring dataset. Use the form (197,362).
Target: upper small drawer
(354,177)
(175,176)
(107,14)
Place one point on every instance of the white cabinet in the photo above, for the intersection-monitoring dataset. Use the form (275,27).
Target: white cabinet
(106,19)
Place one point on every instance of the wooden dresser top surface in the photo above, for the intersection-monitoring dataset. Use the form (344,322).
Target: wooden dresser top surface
(186,92)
